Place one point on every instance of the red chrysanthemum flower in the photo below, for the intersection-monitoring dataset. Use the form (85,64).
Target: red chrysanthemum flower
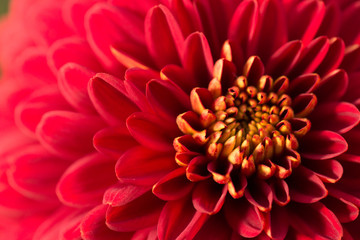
(223,119)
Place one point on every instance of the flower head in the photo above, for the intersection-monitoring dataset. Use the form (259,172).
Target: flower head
(222,119)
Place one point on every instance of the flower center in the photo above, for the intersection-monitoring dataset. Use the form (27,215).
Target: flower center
(249,130)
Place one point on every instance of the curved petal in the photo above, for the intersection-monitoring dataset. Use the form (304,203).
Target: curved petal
(197,58)
(259,193)
(29,112)
(140,213)
(179,219)
(78,187)
(122,193)
(322,145)
(114,141)
(244,218)
(315,220)
(151,131)
(344,210)
(276,223)
(173,186)
(73,81)
(73,50)
(167,99)
(93,226)
(108,95)
(339,117)
(58,140)
(208,196)
(327,170)
(143,166)
(333,86)
(305,186)
(163,32)
(34,172)
(214,228)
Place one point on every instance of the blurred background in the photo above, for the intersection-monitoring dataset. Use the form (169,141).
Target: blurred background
(3,6)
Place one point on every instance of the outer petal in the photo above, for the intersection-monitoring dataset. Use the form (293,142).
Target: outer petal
(93,226)
(73,80)
(305,186)
(140,213)
(335,116)
(328,145)
(163,32)
(78,187)
(74,138)
(315,220)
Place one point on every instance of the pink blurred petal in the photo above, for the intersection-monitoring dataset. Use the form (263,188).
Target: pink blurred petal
(74,138)
(73,80)
(77,187)
(122,193)
(114,141)
(93,226)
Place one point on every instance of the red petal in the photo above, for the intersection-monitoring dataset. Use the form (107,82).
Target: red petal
(151,131)
(197,58)
(280,191)
(283,59)
(272,29)
(73,81)
(322,145)
(93,226)
(311,57)
(306,20)
(114,141)
(333,57)
(141,213)
(163,32)
(214,228)
(187,16)
(315,220)
(122,193)
(305,83)
(143,166)
(276,223)
(78,187)
(327,170)
(58,140)
(244,218)
(305,186)
(344,210)
(208,196)
(259,194)
(339,117)
(333,86)
(73,50)
(108,96)
(173,186)
(179,76)
(167,99)
(243,23)
(180,220)
(34,172)
(33,66)
(29,112)
(349,30)
(123,29)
